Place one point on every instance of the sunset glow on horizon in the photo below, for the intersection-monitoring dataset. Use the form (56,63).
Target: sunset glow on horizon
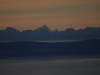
(56,14)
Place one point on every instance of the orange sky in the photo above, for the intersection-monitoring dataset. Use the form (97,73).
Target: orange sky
(56,14)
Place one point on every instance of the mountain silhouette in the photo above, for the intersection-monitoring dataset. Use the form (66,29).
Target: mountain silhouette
(43,28)
(10,30)
(45,33)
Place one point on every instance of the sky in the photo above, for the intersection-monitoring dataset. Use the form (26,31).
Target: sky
(56,14)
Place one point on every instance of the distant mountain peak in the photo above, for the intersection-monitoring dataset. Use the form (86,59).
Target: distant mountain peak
(11,29)
(89,27)
(44,27)
(70,29)
(56,30)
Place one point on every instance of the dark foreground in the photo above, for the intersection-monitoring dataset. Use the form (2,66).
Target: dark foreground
(29,49)
(38,58)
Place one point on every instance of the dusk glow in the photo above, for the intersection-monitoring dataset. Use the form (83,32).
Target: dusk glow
(56,14)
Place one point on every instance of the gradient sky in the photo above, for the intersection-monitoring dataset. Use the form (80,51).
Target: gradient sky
(56,14)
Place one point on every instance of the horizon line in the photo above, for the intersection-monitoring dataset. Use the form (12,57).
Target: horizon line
(51,29)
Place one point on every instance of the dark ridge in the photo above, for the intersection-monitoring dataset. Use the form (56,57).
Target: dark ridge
(30,49)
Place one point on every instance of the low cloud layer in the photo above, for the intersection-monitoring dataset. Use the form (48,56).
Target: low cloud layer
(68,66)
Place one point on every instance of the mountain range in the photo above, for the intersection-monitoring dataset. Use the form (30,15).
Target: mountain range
(44,33)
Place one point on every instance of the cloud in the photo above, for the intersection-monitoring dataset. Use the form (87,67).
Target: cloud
(70,9)
(51,66)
